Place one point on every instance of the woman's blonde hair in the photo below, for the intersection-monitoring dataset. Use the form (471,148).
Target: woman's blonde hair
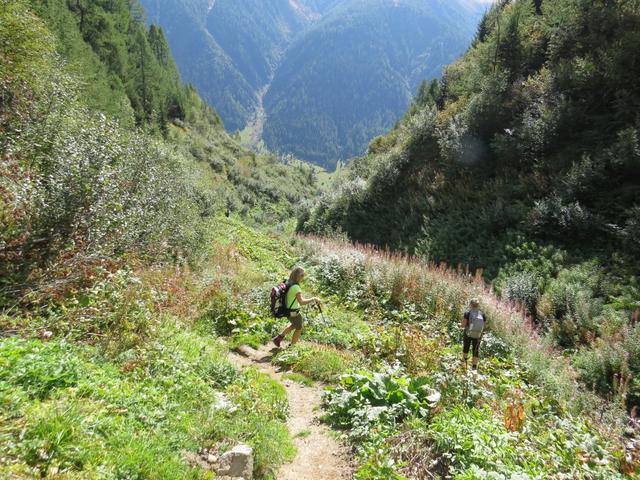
(296,275)
(474,303)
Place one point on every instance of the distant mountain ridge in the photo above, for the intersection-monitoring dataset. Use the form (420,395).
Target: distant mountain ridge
(332,73)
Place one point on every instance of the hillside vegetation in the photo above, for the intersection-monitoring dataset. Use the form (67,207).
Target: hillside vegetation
(137,247)
(112,177)
(388,346)
(78,184)
(524,162)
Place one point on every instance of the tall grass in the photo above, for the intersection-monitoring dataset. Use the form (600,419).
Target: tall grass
(441,293)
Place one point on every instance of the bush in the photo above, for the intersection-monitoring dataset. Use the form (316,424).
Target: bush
(93,191)
(112,192)
(115,311)
(364,400)
(478,446)
(572,305)
(529,268)
(602,367)
(239,319)
(611,365)
(522,288)
(340,328)
(494,346)
(339,274)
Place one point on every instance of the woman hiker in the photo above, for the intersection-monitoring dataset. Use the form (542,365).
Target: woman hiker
(294,300)
(473,323)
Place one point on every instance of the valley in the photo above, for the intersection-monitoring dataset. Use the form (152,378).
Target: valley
(312,105)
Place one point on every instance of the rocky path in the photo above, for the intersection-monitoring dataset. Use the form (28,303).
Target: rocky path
(320,456)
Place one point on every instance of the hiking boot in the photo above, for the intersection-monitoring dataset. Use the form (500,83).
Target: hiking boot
(277,340)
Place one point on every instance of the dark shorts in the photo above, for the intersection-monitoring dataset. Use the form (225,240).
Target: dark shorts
(471,342)
(296,320)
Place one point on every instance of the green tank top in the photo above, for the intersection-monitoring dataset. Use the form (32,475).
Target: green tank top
(292,301)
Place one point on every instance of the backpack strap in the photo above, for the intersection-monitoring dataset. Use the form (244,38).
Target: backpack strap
(285,295)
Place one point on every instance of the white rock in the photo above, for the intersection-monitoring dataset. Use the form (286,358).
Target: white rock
(237,463)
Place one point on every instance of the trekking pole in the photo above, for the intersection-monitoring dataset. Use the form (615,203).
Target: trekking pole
(321,314)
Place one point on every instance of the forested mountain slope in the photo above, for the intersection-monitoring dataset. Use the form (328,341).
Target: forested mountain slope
(123,68)
(114,152)
(227,49)
(532,132)
(523,161)
(114,181)
(333,73)
(348,78)
(208,65)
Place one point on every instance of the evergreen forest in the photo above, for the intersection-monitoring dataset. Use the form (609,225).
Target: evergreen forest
(314,79)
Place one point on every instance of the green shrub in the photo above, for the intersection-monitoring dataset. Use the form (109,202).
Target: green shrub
(473,440)
(318,362)
(340,275)
(378,465)
(603,366)
(527,269)
(39,368)
(494,346)
(337,327)
(523,288)
(477,445)
(115,310)
(364,400)
(573,304)
(246,322)
(92,191)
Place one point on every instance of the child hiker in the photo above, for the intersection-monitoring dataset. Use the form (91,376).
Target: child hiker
(294,300)
(473,323)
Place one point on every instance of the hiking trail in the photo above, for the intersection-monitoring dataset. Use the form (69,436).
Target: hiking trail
(319,455)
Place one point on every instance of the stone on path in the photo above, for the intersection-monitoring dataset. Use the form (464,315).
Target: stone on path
(237,463)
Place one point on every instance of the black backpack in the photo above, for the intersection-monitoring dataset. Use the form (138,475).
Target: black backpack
(279,308)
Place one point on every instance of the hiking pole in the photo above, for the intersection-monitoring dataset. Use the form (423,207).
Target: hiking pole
(319,307)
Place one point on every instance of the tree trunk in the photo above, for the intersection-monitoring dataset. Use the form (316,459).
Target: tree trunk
(82,12)
(538,5)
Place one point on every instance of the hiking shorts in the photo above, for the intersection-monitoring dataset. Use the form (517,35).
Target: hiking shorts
(296,320)
(471,342)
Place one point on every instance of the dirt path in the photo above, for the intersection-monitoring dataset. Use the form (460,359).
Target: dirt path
(320,456)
